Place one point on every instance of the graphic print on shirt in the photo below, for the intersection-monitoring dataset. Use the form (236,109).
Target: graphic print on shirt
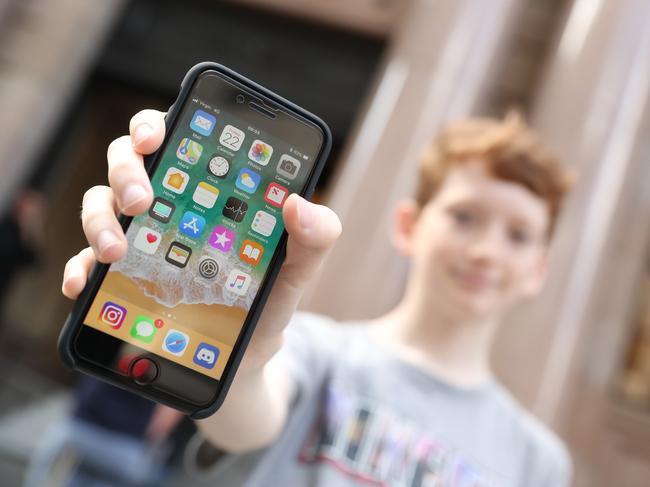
(375,446)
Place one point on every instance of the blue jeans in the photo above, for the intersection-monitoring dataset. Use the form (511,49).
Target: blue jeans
(75,453)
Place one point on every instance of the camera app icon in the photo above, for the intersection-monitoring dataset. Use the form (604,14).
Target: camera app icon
(288,166)
(112,314)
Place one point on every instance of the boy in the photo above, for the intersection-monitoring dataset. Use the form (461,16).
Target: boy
(407,399)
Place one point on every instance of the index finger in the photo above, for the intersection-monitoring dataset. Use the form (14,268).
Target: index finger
(147,129)
(126,172)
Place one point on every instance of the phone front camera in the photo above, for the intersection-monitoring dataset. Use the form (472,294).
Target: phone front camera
(240,98)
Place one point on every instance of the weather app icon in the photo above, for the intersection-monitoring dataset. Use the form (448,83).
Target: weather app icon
(248,180)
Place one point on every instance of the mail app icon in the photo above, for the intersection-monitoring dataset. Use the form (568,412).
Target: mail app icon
(203,122)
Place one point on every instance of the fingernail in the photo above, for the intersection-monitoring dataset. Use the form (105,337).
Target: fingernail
(133,194)
(141,133)
(305,214)
(105,240)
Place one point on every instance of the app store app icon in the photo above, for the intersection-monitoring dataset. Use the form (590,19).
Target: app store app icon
(192,224)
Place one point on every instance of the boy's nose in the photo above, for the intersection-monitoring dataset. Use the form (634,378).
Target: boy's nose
(488,246)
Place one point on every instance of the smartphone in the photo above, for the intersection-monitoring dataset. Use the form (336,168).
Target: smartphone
(171,320)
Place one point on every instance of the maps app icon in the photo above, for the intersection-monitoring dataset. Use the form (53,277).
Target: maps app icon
(203,122)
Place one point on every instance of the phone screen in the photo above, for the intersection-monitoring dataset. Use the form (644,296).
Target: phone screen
(199,255)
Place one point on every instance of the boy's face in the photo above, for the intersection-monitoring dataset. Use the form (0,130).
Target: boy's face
(479,245)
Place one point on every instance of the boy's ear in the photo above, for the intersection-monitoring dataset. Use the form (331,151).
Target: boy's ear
(405,218)
(539,273)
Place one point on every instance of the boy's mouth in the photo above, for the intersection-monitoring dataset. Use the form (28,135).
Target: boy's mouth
(473,280)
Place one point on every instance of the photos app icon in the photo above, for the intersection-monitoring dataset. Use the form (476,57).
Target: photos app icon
(260,152)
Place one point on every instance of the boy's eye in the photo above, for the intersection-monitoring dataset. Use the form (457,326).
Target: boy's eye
(519,236)
(463,217)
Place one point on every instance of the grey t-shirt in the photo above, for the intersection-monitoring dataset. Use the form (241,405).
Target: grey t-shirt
(362,416)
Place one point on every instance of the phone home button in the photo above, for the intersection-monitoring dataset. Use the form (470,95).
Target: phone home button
(143,371)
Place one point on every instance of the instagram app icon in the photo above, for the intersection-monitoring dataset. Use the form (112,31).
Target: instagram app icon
(113,314)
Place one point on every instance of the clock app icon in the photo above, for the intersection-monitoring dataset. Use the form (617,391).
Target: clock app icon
(219,166)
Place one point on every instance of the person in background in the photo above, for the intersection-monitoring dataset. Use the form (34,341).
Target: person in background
(407,398)
(111,438)
(21,235)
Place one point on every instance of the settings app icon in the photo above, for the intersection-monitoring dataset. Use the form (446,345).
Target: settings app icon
(208,268)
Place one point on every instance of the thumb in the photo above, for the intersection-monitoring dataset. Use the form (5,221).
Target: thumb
(312,230)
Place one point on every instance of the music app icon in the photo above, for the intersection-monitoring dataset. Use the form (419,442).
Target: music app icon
(238,282)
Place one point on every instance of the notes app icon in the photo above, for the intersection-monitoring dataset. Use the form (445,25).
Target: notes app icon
(205,195)
(238,282)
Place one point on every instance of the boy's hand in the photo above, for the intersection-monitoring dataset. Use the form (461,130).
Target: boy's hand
(312,229)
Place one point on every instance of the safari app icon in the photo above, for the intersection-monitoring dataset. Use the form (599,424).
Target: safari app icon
(175,342)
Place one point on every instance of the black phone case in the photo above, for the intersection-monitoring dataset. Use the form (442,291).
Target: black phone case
(76,316)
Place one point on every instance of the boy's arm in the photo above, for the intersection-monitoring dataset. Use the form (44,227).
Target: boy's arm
(256,406)
(254,411)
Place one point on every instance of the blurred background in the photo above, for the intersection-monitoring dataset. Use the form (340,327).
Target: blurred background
(384,74)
